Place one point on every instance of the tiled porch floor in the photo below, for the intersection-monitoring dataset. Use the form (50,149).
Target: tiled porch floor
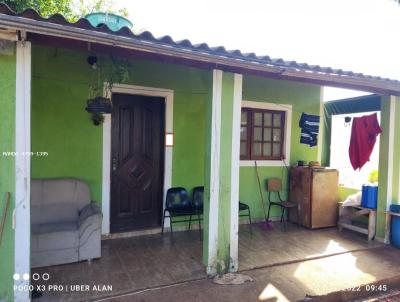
(137,263)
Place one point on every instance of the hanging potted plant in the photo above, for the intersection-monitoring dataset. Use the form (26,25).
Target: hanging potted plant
(97,118)
(97,104)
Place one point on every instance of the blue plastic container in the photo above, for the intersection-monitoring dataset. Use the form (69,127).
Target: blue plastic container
(369,197)
(395,231)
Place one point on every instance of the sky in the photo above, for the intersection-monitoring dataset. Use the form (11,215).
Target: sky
(358,35)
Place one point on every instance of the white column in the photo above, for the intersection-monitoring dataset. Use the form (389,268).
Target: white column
(106,184)
(388,163)
(235,169)
(214,172)
(22,169)
(321,124)
(392,115)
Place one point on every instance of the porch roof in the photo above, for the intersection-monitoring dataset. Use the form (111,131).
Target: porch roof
(195,54)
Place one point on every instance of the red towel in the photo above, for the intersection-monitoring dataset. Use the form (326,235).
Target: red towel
(364,131)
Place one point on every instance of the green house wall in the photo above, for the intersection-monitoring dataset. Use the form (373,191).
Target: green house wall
(303,98)
(7,169)
(61,126)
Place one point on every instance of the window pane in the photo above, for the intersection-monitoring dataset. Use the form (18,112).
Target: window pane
(267,134)
(276,149)
(257,149)
(267,119)
(277,120)
(257,134)
(277,135)
(267,149)
(257,119)
(243,133)
(244,118)
(243,149)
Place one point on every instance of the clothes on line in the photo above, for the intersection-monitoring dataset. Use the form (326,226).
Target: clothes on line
(309,125)
(364,131)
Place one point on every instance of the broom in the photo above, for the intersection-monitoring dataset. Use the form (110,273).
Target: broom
(266,225)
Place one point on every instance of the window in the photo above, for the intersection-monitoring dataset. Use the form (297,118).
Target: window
(262,134)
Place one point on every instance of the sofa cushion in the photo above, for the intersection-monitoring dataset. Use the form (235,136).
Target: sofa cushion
(57,200)
(54,227)
(54,236)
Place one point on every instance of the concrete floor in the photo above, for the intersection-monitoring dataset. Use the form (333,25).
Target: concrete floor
(286,266)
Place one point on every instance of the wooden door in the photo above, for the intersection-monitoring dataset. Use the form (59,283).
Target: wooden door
(137,152)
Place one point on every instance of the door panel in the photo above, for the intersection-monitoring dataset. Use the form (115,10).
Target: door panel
(299,192)
(137,162)
(325,195)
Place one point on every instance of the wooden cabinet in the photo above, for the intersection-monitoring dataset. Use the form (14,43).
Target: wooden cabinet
(315,190)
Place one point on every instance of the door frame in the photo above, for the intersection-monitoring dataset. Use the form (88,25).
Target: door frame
(168,95)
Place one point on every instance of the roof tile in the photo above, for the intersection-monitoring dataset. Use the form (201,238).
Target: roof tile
(186,44)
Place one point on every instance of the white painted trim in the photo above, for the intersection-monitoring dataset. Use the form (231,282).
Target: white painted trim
(288,133)
(396,135)
(389,192)
(105,191)
(214,172)
(169,111)
(22,168)
(264,163)
(321,124)
(235,169)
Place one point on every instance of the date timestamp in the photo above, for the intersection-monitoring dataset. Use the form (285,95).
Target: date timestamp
(369,288)
(376,287)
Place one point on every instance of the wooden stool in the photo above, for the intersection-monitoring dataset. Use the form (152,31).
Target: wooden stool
(348,213)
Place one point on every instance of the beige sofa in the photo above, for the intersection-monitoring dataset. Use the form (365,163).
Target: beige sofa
(65,224)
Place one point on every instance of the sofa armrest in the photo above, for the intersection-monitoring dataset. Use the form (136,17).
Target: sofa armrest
(90,219)
(89,211)
(89,222)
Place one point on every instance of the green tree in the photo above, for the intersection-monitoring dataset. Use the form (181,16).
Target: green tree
(72,10)
(107,6)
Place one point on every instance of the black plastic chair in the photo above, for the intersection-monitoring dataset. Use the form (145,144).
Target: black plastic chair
(274,185)
(198,205)
(245,207)
(177,204)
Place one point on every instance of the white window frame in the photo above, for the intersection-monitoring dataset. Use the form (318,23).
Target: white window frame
(287,135)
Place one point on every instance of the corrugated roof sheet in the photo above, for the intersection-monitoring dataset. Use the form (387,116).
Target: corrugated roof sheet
(147,36)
